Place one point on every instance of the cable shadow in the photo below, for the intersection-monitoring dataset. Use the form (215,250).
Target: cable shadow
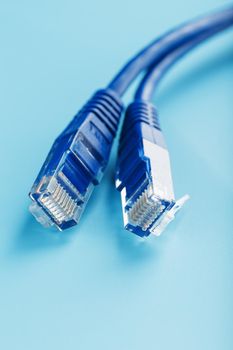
(31,237)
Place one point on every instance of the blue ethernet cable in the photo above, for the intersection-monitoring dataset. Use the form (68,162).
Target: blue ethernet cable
(155,73)
(143,168)
(159,48)
(78,157)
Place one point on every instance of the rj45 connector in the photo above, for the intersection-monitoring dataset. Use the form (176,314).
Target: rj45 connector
(76,162)
(144,174)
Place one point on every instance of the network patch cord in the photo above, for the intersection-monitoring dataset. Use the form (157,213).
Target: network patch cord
(78,157)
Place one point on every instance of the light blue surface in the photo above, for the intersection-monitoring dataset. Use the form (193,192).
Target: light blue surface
(96,286)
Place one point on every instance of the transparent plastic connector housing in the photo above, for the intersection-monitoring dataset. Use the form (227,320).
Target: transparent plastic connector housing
(58,202)
(168,215)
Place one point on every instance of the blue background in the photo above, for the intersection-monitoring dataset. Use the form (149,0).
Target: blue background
(97,286)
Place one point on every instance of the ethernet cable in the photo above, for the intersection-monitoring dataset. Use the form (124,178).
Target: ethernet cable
(143,170)
(165,44)
(155,73)
(78,157)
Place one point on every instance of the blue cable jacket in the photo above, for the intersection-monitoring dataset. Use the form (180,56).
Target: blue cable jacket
(166,43)
(155,73)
